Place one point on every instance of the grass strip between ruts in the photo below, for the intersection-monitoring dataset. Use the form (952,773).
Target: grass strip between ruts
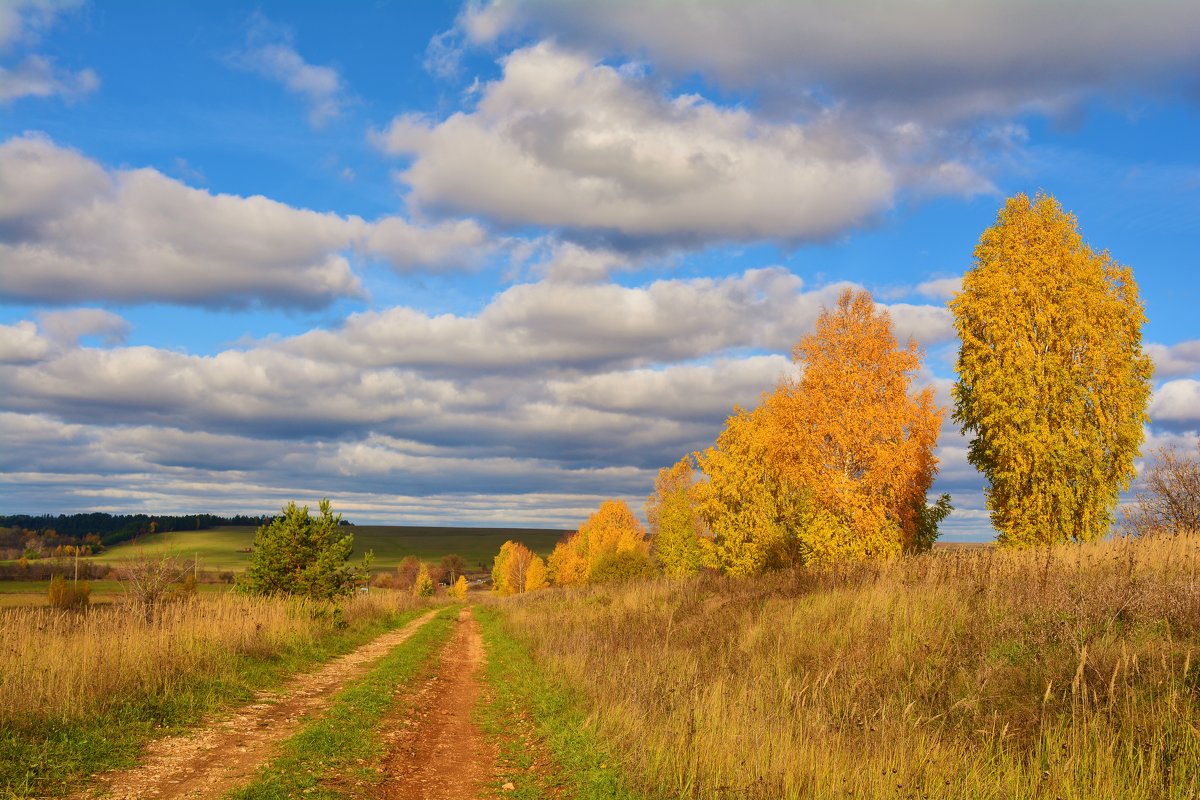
(581,767)
(50,758)
(327,755)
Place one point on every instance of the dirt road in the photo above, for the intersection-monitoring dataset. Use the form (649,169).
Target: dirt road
(207,762)
(437,752)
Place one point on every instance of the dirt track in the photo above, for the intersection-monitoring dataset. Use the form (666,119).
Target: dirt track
(220,756)
(437,752)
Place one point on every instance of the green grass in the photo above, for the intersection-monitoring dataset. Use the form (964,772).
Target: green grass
(334,750)
(521,702)
(49,757)
(220,548)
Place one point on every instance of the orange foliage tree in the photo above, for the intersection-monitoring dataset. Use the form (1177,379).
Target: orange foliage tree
(613,530)
(853,436)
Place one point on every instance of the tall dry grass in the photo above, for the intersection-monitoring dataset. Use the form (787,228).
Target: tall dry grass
(1072,672)
(72,665)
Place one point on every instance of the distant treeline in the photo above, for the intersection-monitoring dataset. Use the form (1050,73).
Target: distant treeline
(114,528)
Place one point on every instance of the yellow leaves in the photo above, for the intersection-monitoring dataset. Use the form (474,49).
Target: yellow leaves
(833,466)
(459,590)
(516,569)
(675,527)
(612,530)
(1052,378)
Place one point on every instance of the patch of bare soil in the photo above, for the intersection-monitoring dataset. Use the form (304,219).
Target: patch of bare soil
(437,752)
(227,752)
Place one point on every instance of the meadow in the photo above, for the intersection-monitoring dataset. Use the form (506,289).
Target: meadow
(1067,672)
(225,548)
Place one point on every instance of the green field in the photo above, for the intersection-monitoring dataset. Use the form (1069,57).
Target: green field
(35,593)
(221,548)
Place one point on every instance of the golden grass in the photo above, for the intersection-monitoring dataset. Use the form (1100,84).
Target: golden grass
(68,665)
(1072,672)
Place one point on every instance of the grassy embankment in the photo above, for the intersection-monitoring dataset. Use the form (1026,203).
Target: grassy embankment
(1072,672)
(334,756)
(80,693)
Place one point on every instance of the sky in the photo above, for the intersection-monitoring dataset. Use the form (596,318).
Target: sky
(492,263)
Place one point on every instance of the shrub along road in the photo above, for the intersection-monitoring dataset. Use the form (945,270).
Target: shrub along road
(218,757)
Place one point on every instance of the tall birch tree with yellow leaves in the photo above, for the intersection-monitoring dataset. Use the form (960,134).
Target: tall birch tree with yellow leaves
(1052,379)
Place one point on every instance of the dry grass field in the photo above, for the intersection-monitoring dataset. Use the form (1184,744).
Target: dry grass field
(1072,672)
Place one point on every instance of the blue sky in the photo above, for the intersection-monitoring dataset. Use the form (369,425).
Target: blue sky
(492,263)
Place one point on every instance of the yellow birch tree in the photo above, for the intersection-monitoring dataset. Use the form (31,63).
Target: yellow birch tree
(675,527)
(1052,380)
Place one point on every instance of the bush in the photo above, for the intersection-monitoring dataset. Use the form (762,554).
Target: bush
(301,555)
(68,595)
(625,565)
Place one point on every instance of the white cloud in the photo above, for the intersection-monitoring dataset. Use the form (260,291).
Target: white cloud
(22,22)
(270,53)
(1176,405)
(940,288)
(943,60)
(68,327)
(72,231)
(563,142)
(36,76)
(1177,360)
(22,344)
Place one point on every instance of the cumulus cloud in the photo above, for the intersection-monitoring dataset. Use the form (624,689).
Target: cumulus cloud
(1176,405)
(945,61)
(271,53)
(68,327)
(21,23)
(567,143)
(73,231)
(1177,360)
(940,288)
(22,344)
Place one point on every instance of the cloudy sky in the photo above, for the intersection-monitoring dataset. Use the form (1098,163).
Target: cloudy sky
(492,263)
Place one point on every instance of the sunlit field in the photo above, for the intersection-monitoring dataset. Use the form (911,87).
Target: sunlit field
(1062,672)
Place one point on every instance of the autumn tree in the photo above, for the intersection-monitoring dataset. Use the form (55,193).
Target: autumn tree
(853,438)
(406,572)
(511,567)
(1052,380)
(535,575)
(452,566)
(752,513)
(423,586)
(303,555)
(459,590)
(675,526)
(612,529)
(1168,495)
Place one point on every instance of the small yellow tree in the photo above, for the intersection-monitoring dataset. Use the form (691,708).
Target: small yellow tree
(459,590)
(752,513)
(535,575)
(510,568)
(1052,380)
(612,529)
(675,527)
(423,586)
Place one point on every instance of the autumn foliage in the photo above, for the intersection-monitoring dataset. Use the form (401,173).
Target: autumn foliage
(834,465)
(517,569)
(676,529)
(588,554)
(1052,380)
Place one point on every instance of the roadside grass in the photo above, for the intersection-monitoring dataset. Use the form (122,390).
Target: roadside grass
(81,693)
(1069,672)
(530,717)
(332,757)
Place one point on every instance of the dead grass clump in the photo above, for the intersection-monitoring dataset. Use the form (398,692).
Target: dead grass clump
(1071,671)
